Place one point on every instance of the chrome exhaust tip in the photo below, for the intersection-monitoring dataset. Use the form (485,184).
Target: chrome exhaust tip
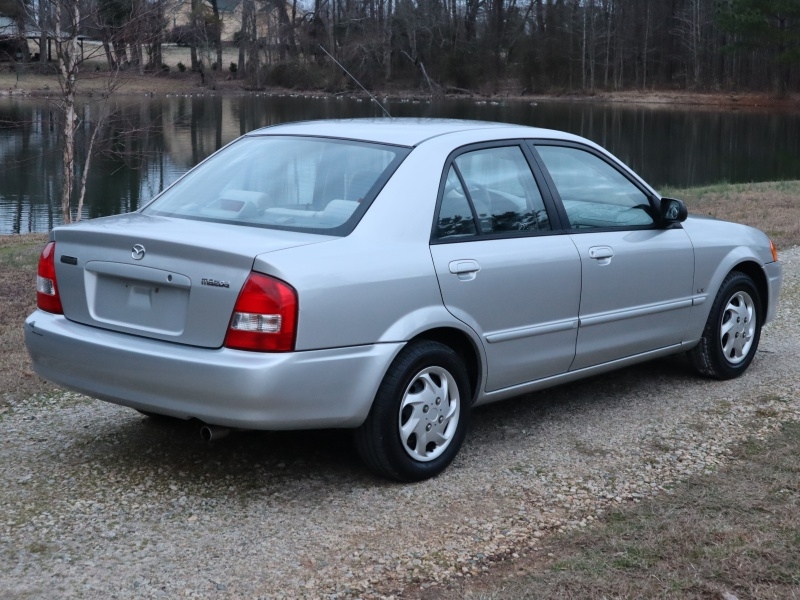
(212,433)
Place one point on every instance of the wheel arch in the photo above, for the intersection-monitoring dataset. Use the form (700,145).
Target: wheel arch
(463,345)
(711,269)
(755,272)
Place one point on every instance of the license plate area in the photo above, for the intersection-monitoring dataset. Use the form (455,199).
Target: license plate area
(138,298)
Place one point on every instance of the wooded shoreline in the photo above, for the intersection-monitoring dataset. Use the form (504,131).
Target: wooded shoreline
(91,85)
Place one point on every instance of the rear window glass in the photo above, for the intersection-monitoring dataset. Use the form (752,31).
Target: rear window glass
(294,183)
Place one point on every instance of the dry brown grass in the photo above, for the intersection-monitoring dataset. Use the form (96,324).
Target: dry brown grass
(735,532)
(18,259)
(773,207)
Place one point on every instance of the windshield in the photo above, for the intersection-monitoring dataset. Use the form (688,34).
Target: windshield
(295,183)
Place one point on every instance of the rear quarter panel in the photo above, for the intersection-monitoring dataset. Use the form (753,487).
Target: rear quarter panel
(378,284)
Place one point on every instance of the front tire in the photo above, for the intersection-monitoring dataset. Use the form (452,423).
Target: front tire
(420,414)
(733,330)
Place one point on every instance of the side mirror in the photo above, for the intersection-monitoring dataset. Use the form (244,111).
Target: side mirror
(673,211)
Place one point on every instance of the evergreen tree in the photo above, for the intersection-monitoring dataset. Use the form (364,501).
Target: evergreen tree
(771,25)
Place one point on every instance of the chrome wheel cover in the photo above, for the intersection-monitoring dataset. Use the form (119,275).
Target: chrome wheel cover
(737,328)
(429,412)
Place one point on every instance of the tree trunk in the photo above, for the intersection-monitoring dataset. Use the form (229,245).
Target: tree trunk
(156,38)
(195,23)
(218,33)
(87,164)
(252,46)
(646,49)
(44,24)
(68,57)
(583,52)
(112,61)
(286,41)
(387,43)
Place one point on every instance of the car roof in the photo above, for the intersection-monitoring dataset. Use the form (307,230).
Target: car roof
(405,131)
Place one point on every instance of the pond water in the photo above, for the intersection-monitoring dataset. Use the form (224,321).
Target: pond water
(149,142)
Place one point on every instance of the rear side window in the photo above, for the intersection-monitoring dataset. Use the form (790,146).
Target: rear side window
(594,194)
(455,216)
(295,183)
(490,191)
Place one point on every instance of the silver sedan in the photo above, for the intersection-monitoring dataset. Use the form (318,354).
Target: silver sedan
(388,276)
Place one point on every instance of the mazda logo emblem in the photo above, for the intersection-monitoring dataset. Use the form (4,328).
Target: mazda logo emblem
(137,252)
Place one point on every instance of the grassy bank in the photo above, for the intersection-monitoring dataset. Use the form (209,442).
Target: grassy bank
(733,534)
(772,207)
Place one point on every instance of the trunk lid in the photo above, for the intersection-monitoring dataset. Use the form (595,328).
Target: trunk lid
(171,279)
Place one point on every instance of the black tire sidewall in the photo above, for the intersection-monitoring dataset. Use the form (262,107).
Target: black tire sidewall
(736,282)
(386,410)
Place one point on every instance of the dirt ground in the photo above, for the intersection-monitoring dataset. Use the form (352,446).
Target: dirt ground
(684,98)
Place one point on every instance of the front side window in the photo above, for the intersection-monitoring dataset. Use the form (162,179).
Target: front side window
(497,187)
(294,183)
(594,194)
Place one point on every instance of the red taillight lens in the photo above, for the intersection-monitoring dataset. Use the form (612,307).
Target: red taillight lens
(47,297)
(265,316)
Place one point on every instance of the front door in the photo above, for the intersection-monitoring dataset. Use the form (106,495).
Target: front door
(637,277)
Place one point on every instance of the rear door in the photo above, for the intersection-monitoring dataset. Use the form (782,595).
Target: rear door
(637,276)
(503,267)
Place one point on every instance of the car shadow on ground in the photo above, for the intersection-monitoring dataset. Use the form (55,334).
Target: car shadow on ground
(137,447)
(606,388)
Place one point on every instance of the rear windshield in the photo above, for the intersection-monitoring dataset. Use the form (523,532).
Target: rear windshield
(296,183)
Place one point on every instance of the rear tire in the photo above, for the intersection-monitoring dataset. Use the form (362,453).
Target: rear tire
(733,330)
(420,414)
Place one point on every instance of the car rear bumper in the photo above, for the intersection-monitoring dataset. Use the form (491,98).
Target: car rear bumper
(294,390)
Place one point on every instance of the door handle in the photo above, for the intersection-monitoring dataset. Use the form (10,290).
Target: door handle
(602,254)
(465,269)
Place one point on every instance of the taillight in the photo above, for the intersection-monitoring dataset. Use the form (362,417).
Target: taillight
(265,316)
(47,297)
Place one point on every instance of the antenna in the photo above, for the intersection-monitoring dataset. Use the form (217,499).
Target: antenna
(341,66)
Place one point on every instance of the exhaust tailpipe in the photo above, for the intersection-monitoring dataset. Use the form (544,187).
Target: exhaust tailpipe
(212,433)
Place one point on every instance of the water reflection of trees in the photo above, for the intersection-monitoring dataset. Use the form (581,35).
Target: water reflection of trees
(128,155)
(28,148)
(147,143)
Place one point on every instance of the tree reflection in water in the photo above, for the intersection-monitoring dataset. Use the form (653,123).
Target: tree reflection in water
(148,143)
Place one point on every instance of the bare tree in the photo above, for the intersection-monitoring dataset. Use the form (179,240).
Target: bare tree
(690,22)
(67,21)
(70,20)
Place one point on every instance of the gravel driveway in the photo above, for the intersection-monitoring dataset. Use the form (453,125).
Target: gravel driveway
(100,502)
